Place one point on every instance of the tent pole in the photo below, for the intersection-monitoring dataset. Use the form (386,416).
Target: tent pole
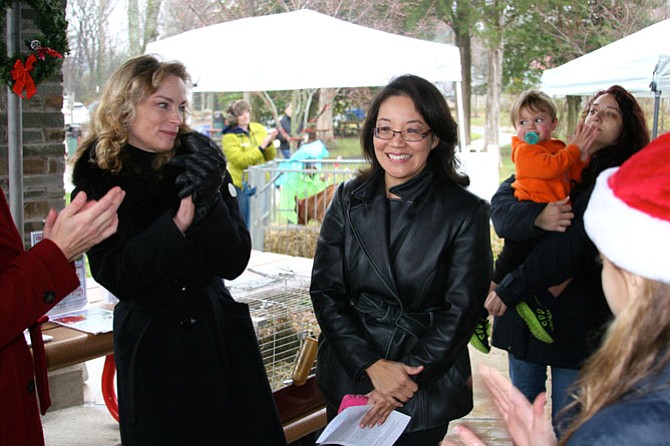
(461,116)
(15,124)
(657,101)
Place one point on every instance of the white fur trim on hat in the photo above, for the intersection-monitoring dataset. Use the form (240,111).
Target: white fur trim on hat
(631,239)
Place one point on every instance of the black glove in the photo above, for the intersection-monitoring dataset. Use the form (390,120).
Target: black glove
(204,169)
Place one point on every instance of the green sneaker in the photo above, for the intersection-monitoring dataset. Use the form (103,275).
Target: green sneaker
(480,338)
(538,318)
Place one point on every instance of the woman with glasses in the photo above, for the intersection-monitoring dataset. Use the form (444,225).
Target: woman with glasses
(401,266)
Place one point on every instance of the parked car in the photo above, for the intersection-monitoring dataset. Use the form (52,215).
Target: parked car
(75,114)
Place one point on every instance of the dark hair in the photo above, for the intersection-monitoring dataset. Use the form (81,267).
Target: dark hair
(634,134)
(432,106)
(235,109)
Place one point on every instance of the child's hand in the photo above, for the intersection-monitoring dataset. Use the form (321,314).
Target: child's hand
(583,138)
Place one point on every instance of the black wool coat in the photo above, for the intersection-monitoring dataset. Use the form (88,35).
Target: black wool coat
(580,313)
(406,285)
(188,364)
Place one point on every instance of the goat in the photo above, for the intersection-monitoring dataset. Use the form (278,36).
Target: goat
(314,207)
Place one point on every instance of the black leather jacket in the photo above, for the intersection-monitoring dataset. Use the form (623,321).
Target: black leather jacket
(412,297)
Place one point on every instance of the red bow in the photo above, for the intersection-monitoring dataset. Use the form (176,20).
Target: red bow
(42,52)
(22,78)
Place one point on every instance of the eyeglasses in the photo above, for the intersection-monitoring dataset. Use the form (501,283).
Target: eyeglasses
(406,135)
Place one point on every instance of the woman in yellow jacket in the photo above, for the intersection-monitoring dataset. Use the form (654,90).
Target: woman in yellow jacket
(245,144)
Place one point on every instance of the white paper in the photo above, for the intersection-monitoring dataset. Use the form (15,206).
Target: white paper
(89,320)
(344,430)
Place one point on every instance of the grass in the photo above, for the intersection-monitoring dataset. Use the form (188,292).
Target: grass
(347,148)
(507,167)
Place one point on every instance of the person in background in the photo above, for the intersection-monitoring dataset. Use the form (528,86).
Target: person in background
(623,395)
(31,283)
(245,144)
(402,266)
(580,312)
(545,168)
(284,132)
(189,369)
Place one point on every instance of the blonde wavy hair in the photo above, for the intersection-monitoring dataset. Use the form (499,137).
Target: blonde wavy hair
(130,85)
(637,346)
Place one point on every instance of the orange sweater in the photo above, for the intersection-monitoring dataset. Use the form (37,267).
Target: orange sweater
(544,170)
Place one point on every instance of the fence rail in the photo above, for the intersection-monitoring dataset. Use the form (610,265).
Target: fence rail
(290,200)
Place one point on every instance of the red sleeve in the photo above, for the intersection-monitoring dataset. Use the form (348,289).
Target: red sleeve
(30,285)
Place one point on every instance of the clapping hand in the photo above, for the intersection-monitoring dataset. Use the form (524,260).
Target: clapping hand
(83,224)
(525,422)
(204,169)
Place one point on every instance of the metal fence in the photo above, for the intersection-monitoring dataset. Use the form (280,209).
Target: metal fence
(281,311)
(290,200)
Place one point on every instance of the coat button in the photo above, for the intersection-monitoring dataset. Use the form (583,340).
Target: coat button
(179,285)
(31,386)
(189,322)
(49,297)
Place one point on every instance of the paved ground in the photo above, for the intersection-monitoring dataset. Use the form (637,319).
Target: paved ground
(91,424)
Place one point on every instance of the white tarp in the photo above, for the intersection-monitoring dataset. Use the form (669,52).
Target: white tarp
(630,62)
(303,49)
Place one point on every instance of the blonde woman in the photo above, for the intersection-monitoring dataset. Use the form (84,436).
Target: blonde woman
(188,362)
(623,395)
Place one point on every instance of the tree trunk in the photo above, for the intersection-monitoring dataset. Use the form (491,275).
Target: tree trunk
(493,90)
(574,108)
(133,27)
(324,122)
(462,40)
(151,23)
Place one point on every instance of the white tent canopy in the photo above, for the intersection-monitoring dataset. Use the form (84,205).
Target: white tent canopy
(303,49)
(632,62)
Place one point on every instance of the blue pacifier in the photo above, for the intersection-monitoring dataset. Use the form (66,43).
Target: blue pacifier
(531,138)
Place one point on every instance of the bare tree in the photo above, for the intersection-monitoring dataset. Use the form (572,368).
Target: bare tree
(85,68)
(497,18)
(142,24)
(134,27)
(460,16)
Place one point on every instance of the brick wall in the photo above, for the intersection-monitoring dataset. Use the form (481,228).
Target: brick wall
(43,142)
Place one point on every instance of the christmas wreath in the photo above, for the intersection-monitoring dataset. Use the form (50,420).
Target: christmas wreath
(22,71)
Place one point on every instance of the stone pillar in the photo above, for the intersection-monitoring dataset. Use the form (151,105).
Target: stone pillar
(43,168)
(43,143)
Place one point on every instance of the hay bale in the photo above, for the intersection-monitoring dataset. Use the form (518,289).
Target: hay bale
(496,243)
(298,242)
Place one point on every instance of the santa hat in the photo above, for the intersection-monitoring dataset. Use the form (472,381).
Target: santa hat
(628,215)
